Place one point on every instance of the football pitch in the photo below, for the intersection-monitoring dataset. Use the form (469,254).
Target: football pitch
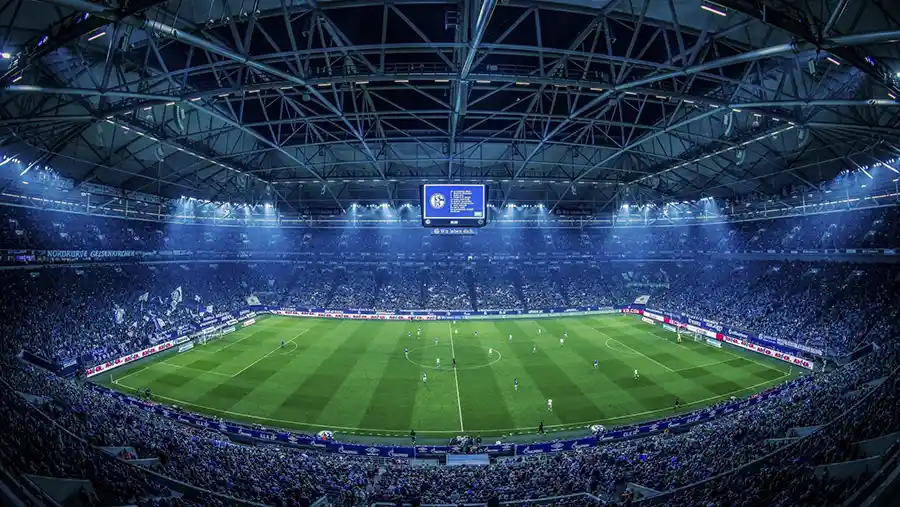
(353,377)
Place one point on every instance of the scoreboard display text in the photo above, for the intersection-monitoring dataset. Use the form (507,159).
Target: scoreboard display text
(454,205)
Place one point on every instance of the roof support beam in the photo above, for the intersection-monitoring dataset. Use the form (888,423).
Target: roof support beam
(789,23)
(461,85)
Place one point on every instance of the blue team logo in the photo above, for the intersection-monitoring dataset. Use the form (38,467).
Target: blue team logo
(437,201)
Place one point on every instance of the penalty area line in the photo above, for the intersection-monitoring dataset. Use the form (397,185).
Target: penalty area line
(245,368)
(456,377)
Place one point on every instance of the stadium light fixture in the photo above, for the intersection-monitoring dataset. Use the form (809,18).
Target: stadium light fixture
(523,83)
(5,55)
(832,60)
(401,81)
(96,36)
(717,10)
(17,78)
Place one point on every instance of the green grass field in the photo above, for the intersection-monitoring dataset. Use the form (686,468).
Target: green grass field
(352,376)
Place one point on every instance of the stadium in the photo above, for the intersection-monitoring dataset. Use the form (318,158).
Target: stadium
(435,252)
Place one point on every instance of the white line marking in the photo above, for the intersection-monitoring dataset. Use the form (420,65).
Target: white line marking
(245,368)
(631,349)
(438,432)
(135,372)
(254,333)
(456,378)
(725,350)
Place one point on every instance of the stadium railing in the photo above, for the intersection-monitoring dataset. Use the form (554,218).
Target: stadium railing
(532,501)
(759,462)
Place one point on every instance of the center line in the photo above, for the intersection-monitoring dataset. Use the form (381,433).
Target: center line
(456,378)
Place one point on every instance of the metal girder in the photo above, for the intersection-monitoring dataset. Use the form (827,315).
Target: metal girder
(639,113)
(66,31)
(792,23)
(461,84)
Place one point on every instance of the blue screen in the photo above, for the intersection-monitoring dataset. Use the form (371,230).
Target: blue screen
(442,202)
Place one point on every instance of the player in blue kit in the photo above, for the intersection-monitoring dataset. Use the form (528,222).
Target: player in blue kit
(596,364)
(435,340)
(476,333)
(282,343)
(406,352)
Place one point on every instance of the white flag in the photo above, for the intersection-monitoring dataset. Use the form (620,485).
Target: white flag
(176,296)
(144,297)
(196,298)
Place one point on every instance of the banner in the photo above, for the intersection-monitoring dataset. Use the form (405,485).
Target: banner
(770,352)
(109,365)
(715,330)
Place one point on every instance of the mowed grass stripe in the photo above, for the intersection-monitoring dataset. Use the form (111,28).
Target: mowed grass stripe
(570,400)
(392,401)
(268,360)
(651,391)
(615,389)
(313,394)
(484,392)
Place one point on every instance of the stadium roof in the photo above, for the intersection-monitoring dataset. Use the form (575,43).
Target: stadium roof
(575,105)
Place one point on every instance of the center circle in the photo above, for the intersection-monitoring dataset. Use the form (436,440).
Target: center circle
(488,359)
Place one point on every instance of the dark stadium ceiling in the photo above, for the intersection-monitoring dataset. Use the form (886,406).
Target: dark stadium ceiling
(576,105)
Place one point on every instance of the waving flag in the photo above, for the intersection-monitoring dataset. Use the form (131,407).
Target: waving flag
(119,315)
(176,296)
(144,297)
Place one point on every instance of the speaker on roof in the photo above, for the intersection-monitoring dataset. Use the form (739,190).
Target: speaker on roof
(180,117)
(803,137)
(728,121)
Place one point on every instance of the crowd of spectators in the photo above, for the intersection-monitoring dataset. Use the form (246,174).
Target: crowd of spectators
(91,312)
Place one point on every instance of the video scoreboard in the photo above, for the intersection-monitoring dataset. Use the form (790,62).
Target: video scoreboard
(454,205)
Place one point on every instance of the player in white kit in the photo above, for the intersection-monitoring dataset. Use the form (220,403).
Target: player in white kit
(424,378)
(435,340)
(491,352)
(510,338)
(549,404)
(438,362)
(562,341)
(534,349)
(636,374)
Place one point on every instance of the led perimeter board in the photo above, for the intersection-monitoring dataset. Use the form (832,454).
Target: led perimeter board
(454,205)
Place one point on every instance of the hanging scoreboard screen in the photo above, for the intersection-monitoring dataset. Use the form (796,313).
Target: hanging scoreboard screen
(454,205)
